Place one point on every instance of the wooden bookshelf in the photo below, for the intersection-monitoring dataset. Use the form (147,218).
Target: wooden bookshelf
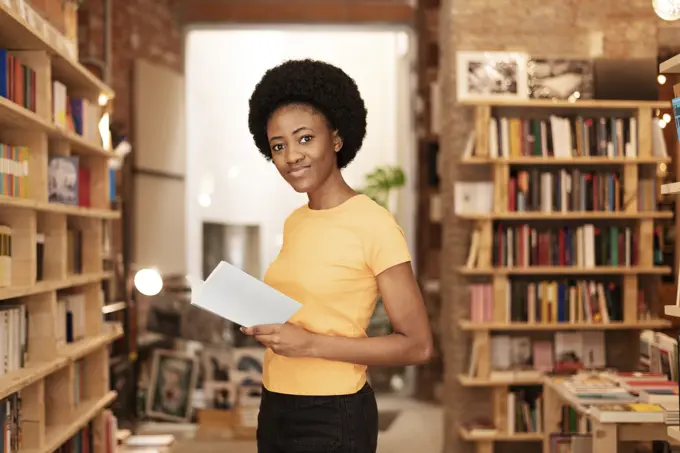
(672,66)
(58,368)
(635,212)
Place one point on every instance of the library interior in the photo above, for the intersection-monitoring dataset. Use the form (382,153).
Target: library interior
(549,279)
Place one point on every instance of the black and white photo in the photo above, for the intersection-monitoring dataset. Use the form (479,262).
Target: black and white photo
(560,79)
(491,75)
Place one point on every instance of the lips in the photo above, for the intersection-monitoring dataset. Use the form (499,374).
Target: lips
(298,171)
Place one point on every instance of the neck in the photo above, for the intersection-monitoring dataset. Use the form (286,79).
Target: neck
(331,193)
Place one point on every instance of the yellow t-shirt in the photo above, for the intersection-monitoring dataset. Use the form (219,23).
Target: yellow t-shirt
(329,262)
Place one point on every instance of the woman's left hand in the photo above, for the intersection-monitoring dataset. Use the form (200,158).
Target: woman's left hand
(284,339)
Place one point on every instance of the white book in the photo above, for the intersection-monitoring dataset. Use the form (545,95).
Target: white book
(240,298)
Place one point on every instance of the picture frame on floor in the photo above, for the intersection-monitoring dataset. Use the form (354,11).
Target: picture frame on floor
(249,360)
(216,364)
(491,75)
(171,385)
(220,395)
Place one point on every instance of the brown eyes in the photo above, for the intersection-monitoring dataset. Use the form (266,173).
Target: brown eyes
(304,139)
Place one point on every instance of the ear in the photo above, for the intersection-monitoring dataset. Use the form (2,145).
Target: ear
(337,141)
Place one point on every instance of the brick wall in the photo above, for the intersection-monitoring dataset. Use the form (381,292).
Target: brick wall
(148,29)
(541,27)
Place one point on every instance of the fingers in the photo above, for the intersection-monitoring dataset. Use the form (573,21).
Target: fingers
(268,340)
(264,329)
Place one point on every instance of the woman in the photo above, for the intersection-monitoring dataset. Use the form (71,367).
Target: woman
(339,252)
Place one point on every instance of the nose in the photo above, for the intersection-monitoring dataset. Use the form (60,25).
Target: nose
(293,155)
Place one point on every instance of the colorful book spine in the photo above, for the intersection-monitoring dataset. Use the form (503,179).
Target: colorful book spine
(14,171)
(5,256)
(17,80)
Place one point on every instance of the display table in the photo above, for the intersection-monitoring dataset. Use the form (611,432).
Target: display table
(606,437)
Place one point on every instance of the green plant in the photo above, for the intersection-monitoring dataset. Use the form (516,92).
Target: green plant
(381,181)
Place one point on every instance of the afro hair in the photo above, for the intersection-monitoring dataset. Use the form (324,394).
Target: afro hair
(325,88)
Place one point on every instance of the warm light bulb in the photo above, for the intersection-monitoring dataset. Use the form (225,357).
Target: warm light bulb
(661,79)
(666,118)
(204,200)
(148,282)
(103,99)
(667,9)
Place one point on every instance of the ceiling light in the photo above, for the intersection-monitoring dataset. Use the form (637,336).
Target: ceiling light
(667,9)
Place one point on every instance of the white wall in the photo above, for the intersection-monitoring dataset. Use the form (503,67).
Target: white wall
(222,68)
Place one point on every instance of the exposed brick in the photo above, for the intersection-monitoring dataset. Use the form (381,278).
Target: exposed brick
(148,29)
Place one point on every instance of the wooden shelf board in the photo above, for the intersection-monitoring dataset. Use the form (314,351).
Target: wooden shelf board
(79,349)
(673,432)
(503,326)
(672,310)
(33,372)
(467,381)
(500,436)
(566,270)
(562,103)
(560,216)
(564,160)
(113,307)
(56,435)
(12,292)
(17,34)
(79,211)
(15,116)
(670,189)
(670,66)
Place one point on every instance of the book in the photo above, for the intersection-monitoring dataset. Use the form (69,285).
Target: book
(628,413)
(241,298)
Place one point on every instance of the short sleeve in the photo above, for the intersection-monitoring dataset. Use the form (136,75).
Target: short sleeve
(386,244)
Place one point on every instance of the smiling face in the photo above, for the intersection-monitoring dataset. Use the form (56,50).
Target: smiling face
(303,146)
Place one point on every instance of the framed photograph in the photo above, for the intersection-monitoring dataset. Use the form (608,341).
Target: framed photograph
(217,364)
(172,382)
(245,378)
(491,75)
(62,179)
(249,395)
(560,79)
(249,360)
(220,395)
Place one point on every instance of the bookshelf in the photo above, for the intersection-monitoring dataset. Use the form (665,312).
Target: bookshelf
(562,250)
(54,199)
(672,65)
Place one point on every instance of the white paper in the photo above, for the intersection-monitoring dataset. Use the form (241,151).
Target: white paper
(241,298)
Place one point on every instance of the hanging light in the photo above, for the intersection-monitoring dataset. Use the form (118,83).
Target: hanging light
(667,9)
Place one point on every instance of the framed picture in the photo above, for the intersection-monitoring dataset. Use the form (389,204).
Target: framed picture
(220,395)
(172,382)
(241,378)
(62,179)
(249,360)
(249,395)
(217,364)
(491,75)
(560,79)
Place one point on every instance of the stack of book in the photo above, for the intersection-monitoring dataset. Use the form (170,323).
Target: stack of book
(613,397)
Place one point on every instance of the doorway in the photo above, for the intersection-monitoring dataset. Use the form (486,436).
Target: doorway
(228,181)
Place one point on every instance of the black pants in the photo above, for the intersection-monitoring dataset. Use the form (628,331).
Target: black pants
(318,424)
